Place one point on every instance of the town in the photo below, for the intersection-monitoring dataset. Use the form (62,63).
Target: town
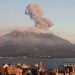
(36,69)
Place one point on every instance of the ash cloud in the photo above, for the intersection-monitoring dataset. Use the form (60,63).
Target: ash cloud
(36,13)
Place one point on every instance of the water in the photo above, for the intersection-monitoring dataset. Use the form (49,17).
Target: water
(50,63)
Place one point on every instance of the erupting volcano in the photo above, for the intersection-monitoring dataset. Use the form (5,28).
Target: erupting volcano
(30,43)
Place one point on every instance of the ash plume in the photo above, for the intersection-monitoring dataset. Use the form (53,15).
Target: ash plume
(34,10)
(36,14)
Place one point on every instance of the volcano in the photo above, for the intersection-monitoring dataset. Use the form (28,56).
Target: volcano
(32,44)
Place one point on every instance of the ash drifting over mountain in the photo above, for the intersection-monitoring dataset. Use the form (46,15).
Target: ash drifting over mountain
(36,13)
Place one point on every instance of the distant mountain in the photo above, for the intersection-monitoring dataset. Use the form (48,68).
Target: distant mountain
(68,36)
(32,44)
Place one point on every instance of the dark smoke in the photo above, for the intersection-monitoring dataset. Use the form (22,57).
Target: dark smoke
(36,13)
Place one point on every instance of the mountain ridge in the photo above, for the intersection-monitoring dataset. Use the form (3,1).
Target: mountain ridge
(34,44)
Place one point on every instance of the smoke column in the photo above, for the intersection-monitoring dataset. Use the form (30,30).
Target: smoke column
(36,13)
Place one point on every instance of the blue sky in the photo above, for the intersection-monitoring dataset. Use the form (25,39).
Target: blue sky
(61,12)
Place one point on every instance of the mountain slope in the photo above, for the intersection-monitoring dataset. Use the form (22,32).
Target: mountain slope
(34,44)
